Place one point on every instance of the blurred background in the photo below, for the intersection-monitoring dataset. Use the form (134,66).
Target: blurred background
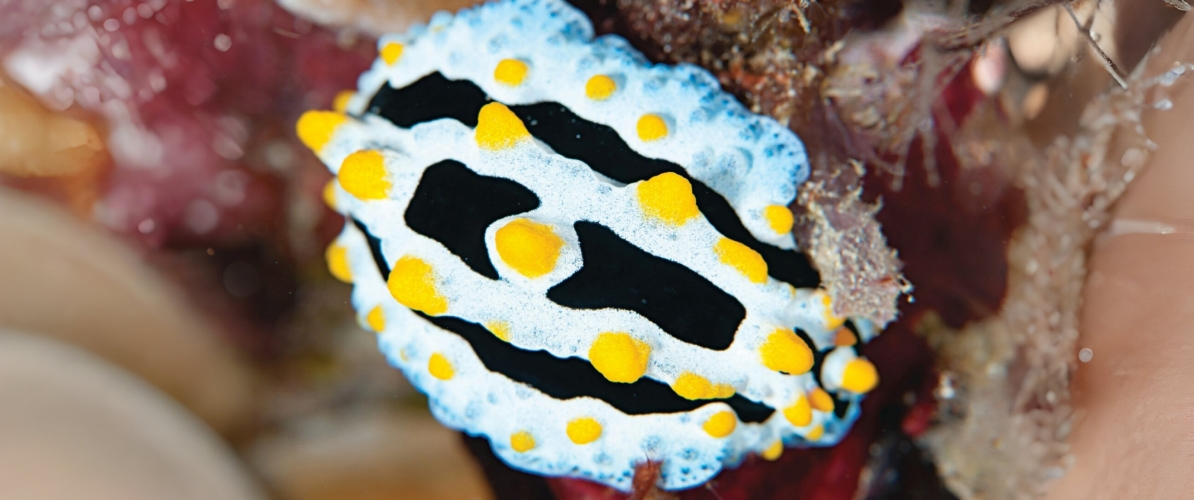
(169,329)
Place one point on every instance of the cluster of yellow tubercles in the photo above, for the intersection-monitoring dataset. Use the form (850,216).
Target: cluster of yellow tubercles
(668,198)
(412,283)
(743,258)
(785,352)
(363,175)
(692,386)
(619,357)
(528,247)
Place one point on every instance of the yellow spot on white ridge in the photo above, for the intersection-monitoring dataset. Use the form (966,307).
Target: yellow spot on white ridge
(779,218)
(315,128)
(651,127)
(391,52)
(363,174)
(522,441)
(337,257)
(510,72)
(743,258)
(668,198)
(376,319)
(783,351)
(721,424)
(529,247)
(800,413)
(499,128)
(692,386)
(600,87)
(440,367)
(412,283)
(584,430)
(619,357)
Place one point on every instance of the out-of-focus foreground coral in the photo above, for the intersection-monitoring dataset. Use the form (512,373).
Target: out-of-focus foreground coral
(973,138)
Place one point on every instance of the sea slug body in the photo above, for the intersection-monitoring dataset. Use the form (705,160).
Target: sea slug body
(584,257)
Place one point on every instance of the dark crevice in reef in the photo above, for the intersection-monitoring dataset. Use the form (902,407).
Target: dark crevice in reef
(600,147)
(569,378)
(617,274)
(453,205)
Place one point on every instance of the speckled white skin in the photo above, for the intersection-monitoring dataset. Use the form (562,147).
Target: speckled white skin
(751,169)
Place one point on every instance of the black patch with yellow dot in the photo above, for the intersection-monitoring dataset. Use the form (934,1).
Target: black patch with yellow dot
(599,146)
(620,275)
(574,377)
(454,205)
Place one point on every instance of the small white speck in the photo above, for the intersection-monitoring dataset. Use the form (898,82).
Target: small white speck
(223,42)
(1085,355)
(111,25)
(146,226)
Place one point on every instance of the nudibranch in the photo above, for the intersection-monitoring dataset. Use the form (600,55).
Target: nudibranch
(582,256)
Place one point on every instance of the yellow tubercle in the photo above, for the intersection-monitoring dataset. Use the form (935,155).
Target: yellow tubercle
(315,128)
(440,367)
(499,329)
(600,87)
(668,197)
(619,357)
(522,441)
(391,52)
(773,452)
(529,247)
(800,413)
(363,174)
(743,258)
(820,400)
(815,434)
(584,430)
(832,321)
(510,72)
(860,376)
(785,352)
(412,283)
(337,256)
(721,424)
(340,102)
(779,218)
(651,127)
(329,194)
(376,319)
(692,386)
(499,128)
